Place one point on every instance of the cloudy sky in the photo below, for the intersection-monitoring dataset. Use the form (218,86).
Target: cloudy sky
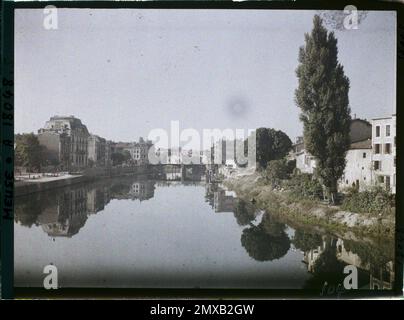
(126,72)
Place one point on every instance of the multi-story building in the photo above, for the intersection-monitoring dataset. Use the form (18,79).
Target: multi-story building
(358,171)
(108,152)
(97,150)
(57,148)
(384,151)
(77,134)
(358,164)
(139,151)
(305,162)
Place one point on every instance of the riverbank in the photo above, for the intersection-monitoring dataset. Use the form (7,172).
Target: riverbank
(40,184)
(309,212)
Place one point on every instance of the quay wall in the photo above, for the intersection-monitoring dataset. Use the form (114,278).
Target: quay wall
(88,175)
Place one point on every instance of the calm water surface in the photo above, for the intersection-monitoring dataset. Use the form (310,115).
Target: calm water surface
(145,233)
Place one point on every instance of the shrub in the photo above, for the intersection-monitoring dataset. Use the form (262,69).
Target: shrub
(375,200)
(304,185)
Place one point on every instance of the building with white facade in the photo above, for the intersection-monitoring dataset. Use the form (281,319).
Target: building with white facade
(305,162)
(384,151)
(358,171)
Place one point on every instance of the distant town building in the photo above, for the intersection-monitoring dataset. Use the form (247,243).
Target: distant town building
(97,150)
(77,141)
(384,151)
(305,162)
(139,151)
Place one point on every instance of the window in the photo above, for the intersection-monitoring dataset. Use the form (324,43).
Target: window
(364,155)
(377,165)
(377,148)
(387,148)
(388,183)
(388,130)
(377,131)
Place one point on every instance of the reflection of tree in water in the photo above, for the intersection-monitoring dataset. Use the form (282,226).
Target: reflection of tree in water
(211,188)
(306,241)
(373,256)
(28,208)
(327,268)
(244,212)
(267,241)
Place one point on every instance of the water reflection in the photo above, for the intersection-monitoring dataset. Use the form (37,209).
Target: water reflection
(262,236)
(63,212)
(266,241)
(326,256)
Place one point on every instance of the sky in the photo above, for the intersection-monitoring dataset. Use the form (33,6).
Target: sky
(125,72)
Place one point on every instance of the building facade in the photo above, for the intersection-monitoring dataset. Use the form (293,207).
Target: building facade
(77,134)
(57,148)
(384,151)
(97,150)
(358,171)
(139,151)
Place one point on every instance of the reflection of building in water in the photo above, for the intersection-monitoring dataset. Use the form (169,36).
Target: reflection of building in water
(97,199)
(380,276)
(67,216)
(224,201)
(383,278)
(348,256)
(310,257)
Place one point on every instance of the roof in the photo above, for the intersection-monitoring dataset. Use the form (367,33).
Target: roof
(363,144)
(383,118)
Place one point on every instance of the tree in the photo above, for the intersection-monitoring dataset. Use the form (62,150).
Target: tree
(271,144)
(322,96)
(119,158)
(276,171)
(28,152)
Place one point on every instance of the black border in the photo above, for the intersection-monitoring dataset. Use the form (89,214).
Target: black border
(7,152)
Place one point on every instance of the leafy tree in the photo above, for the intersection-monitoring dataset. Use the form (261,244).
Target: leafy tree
(304,185)
(322,96)
(276,171)
(119,158)
(28,152)
(271,144)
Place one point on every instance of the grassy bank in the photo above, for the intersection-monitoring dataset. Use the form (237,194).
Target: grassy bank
(307,211)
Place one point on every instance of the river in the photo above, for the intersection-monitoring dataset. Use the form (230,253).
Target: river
(144,233)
